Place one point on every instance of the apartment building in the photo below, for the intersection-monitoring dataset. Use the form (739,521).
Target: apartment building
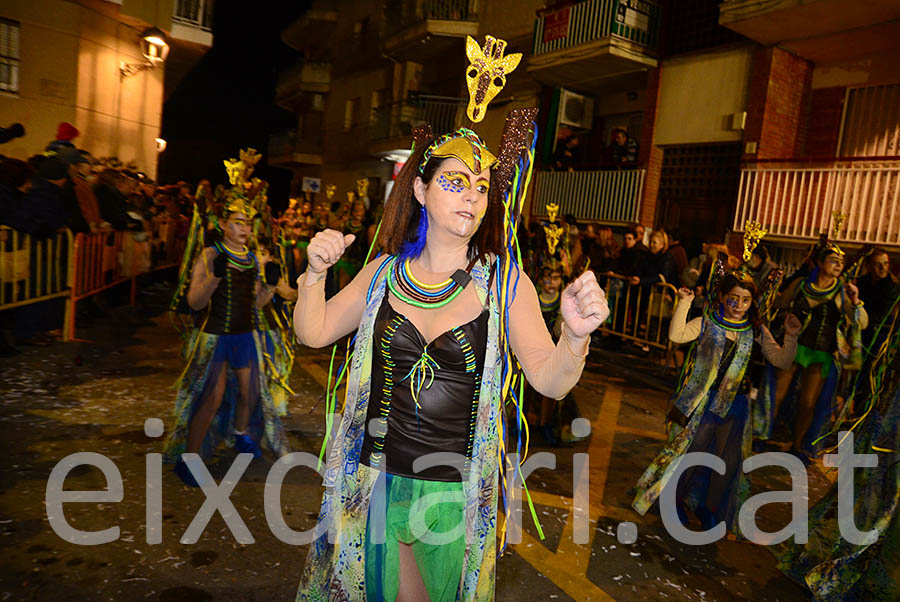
(783,112)
(98,64)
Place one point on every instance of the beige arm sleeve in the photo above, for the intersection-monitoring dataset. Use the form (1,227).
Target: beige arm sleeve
(778,356)
(681,331)
(862,318)
(551,369)
(318,323)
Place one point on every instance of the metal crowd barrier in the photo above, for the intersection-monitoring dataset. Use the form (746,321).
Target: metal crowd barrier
(33,269)
(639,313)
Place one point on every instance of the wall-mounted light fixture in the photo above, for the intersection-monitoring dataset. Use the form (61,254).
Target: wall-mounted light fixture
(154,47)
(160,145)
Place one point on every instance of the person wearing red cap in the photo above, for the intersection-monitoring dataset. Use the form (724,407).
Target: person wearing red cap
(65,133)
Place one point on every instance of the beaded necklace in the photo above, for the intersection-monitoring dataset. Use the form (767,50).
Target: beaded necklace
(411,291)
(552,305)
(728,324)
(814,292)
(241,259)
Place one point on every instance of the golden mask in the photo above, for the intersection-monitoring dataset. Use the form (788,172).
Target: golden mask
(553,233)
(552,210)
(753,233)
(486,74)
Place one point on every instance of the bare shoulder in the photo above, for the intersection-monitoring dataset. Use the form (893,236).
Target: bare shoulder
(362,280)
(207,254)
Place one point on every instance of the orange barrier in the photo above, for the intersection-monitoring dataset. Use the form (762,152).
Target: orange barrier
(76,267)
(108,258)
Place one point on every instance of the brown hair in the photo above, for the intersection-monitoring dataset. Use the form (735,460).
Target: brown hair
(401,212)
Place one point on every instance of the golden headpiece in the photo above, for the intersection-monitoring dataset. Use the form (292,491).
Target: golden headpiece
(239,172)
(463,144)
(487,73)
(330,189)
(552,210)
(362,187)
(830,247)
(239,204)
(753,233)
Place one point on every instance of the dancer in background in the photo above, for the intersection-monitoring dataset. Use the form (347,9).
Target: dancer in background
(710,412)
(223,393)
(832,318)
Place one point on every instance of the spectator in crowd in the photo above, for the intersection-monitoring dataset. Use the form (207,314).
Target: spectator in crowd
(697,272)
(659,266)
(601,248)
(82,178)
(65,133)
(75,218)
(632,256)
(110,191)
(760,266)
(42,212)
(15,179)
(676,250)
(623,149)
(568,154)
(878,289)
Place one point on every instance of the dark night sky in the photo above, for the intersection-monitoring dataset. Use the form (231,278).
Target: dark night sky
(226,102)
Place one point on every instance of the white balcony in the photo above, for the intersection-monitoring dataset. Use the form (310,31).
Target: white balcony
(612,197)
(797,200)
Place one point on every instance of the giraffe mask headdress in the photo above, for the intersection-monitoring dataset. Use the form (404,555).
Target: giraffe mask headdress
(487,73)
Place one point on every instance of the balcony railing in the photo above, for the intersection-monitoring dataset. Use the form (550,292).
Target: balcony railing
(197,13)
(798,201)
(286,144)
(633,20)
(398,119)
(603,196)
(405,13)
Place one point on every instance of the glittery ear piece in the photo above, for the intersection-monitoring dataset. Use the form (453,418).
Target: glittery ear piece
(422,134)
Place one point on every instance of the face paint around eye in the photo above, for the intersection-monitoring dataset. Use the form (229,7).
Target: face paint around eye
(446,185)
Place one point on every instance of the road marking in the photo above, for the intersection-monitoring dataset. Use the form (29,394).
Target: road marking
(641,432)
(567,567)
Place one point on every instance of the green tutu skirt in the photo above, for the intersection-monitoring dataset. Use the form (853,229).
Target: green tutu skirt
(807,356)
(428,516)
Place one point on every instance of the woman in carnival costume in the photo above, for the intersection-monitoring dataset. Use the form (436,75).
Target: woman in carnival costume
(711,410)
(223,393)
(438,319)
(832,318)
(831,567)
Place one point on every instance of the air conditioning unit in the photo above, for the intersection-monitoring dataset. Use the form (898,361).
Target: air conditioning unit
(575,110)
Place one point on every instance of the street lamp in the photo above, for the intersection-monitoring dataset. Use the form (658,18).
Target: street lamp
(154,47)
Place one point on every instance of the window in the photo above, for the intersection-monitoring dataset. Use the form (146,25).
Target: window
(351,113)
(871,125)
(9,56)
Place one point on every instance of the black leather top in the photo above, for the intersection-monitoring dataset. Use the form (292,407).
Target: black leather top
(232,305)
(445,420)
(821,332)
